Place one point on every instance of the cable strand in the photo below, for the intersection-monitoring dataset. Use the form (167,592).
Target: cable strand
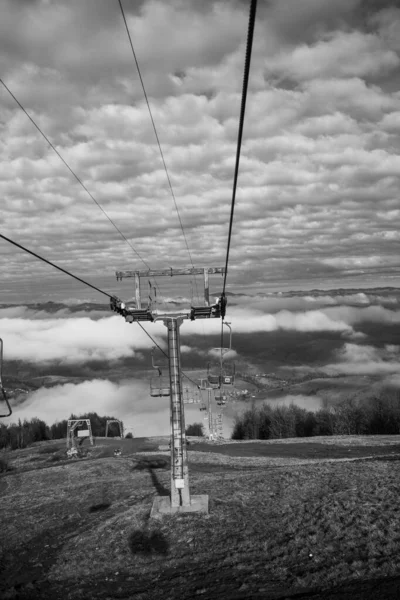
(249,46)
(71,171)
(79,181)
(158,140)
(53,265)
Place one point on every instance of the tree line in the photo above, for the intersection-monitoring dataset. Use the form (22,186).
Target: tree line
(373,416)
(24,433)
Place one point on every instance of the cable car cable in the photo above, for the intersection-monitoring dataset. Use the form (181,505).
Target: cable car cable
(54,265)
(72,172)
(166,355)
(249,46)
(160,148)
(158,140)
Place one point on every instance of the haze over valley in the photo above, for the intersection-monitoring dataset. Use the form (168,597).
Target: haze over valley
(313,349)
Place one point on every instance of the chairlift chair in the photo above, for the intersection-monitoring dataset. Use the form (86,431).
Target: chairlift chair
(203,384)
(214,380)
(2,390)
(159,385)
(220,399)
(228,378)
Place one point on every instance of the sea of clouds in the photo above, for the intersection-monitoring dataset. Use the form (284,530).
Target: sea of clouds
(39,336)
(69,335)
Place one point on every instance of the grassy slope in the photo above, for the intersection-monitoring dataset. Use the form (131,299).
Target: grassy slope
(81,528)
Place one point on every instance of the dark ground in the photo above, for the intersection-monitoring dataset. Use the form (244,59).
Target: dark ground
(25,566)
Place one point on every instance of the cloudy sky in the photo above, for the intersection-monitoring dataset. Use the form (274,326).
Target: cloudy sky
(318,197)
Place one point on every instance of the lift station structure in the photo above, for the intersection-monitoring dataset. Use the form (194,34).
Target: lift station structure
(120,426)
(72,425)
(180,499)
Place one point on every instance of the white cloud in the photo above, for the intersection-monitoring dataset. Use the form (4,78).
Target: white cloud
(74,340)
(38,336)
(129,401)
(338,54)
(354,315)
(368,360)
(312,320)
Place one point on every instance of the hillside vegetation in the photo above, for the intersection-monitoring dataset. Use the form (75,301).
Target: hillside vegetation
(376,416)
(24,433)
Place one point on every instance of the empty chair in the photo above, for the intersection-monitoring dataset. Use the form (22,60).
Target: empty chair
(203,384)
(159,386)
(214,380)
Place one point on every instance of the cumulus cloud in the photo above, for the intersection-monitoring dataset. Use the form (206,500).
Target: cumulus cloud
(73,340)
(319,171)
(338,54)
(367,360)
(40,337)
(71,335)
(312,320)
(375,314)
(129,401)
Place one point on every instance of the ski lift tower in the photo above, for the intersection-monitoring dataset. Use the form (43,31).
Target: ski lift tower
(180,499)
(120,426)
(72,424)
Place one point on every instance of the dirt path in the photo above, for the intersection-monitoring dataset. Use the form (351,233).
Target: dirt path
(296,450)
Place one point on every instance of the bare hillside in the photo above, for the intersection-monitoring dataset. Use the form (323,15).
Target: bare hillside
(302,519)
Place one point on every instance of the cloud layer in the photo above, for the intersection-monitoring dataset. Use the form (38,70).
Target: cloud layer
(71,335)
(129,401)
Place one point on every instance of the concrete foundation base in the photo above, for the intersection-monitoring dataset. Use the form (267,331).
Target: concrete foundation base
(162,506)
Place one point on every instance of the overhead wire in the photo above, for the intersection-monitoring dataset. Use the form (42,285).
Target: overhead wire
(158,140)
(249,47)
(160,149)
(79,180)
(54,265)
(165,354)
(244,94)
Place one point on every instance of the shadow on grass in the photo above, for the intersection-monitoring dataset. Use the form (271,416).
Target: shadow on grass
(153,462)
(49,449)
(99,507)
(150,464)
(141,542)
(160,488)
